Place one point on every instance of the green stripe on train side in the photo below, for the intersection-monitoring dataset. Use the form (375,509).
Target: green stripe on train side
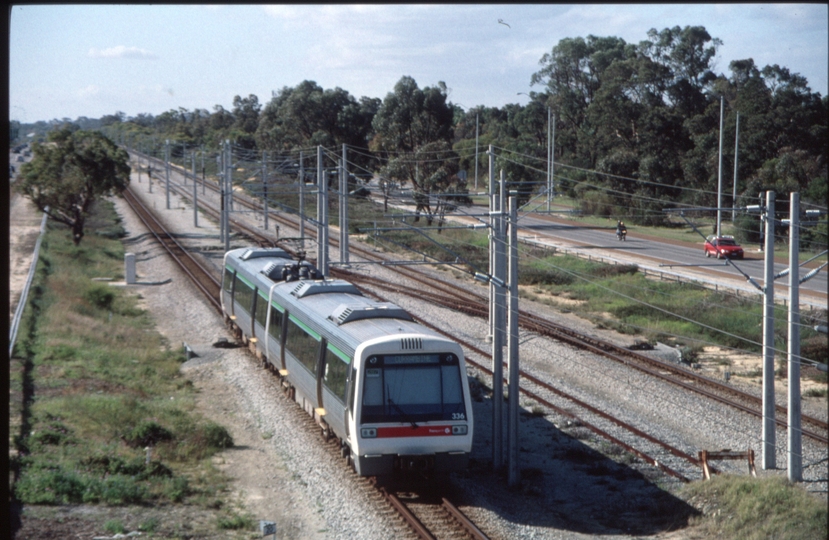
(305,327)
(245,281)
(342,356)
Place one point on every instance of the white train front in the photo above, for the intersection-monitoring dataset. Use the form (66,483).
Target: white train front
(393,392)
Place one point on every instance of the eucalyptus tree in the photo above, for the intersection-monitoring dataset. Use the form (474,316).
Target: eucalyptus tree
(414,128)
(70,172)
(308,115)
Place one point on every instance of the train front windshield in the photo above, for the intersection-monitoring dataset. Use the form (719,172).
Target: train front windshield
(412,388)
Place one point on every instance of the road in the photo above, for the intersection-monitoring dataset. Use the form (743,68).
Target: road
(654,254)
(658,254)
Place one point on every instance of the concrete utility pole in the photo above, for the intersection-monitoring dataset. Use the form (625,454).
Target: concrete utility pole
(167,169)
(719,174)
(769,433)
(795,448)
(495,326)
(514,472)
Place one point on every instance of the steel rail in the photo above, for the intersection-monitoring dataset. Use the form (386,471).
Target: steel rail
(597,346)
(408,516)
(463,520)
(549,329)
(197,272)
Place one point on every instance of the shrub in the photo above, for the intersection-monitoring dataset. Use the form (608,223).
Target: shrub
(216,436)
(114,490)
(43,486)
(53,434)
(147,433)
(176,489)
(100,296)
(236,522)
(114,526)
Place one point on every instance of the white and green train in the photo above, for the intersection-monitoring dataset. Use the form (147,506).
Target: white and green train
(393,392)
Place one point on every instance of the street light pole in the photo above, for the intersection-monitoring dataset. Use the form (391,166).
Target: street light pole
(476,151)
(719,174)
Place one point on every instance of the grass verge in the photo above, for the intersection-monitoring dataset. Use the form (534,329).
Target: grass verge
(755,509)
(104,416)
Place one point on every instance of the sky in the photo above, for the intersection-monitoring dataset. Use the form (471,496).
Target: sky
(68,61)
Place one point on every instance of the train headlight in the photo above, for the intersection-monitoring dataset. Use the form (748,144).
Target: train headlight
(368,432)
(460,430)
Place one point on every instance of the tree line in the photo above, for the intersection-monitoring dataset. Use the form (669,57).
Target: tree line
(637,128)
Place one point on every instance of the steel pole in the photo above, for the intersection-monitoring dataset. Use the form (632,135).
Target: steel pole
(228,193)
(195,192)
(265,187)
(302,199)
(344,255)
(514,472)
(476,152)
(719,174)
(736,155)
(497,345)
(769,433)
(795,447)
(167,169)
(549,160)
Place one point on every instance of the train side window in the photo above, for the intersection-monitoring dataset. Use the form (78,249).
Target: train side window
(261,309)
(302,344)
(336,371)
(275,328)
(227,282)
(243,294)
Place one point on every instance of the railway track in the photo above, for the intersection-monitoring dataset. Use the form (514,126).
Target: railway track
(454,297)
(457,303)
(430,522)
(201,276)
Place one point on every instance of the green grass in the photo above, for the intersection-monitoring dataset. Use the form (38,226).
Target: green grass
(754,509)
(101,380)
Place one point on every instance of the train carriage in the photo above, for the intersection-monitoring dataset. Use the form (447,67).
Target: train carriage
(393,392)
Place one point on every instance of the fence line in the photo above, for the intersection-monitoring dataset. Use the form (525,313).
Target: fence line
(21,304)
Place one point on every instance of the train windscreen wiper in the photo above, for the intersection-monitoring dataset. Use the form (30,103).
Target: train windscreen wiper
(402,412)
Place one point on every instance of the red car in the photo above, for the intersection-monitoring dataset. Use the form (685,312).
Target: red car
(723,246)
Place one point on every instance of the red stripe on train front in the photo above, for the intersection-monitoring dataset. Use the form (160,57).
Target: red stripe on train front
(409,431)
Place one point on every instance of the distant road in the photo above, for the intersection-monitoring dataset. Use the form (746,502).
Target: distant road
(658,254)
(650,251)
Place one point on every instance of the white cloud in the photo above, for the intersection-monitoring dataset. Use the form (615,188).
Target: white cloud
(122,52)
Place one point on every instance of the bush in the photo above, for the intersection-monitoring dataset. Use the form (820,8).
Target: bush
(147,433)
(176,488)
(43,486)
(53,434)
(100,296)
(236,522)
(216,436)
(114,490)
